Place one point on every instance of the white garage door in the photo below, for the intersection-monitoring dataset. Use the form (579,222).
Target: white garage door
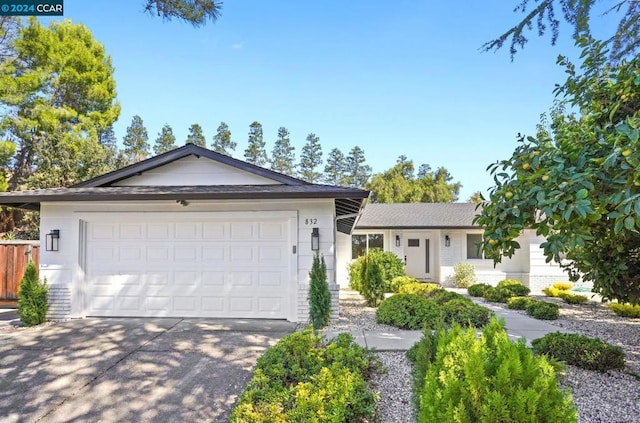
(188,267)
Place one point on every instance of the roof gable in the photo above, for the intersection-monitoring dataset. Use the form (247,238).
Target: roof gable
(223,169)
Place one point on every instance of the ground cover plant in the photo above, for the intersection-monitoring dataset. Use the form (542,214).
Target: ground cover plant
(478,289)
(400,281)
(459,377)
(543,310)
(505,289)
(519,303)
(581,351)
(419,288)
(300,379)
(625,310)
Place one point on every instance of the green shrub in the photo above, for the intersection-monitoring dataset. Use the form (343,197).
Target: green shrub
(551,292)
(563,286)
(400,281)
(516,287)
(581,351)
(477,290)
(373,284)
(543,310)
(442,296)
(497,295)
(519,303)
(419,288)
(299,379)
(465,313)
(570,298)
(409,311)
(487,380)
(464,274)
(319,295)
(33,297)
(625,310)
(390,265)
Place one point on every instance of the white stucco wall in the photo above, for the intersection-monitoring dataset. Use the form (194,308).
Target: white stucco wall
(64,273)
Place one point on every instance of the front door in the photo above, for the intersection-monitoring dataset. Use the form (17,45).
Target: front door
(418,253)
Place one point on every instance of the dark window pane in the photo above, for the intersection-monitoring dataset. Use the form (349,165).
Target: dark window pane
(358,246)
(413,243)
(376,241)
(426,248)
(473,251)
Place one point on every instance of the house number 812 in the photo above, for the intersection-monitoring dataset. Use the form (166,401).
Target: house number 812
(312,221)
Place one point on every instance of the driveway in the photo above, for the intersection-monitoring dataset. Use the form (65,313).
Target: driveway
(120,369)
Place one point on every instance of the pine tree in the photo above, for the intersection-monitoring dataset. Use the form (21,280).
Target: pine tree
(32,297)
(335,169)
(310,159)
(319,295)
(166,141)
(107,139)
(196,136)
(136,141)
(282,155)
(222,141)
(358,173)
(255,152)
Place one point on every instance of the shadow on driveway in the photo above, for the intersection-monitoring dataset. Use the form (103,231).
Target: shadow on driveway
(129,369)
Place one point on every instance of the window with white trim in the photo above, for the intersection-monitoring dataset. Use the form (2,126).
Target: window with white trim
(361,244)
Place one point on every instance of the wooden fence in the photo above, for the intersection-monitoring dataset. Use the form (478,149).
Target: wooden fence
(14,257)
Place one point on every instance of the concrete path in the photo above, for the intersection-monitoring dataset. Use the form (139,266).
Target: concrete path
(126,370)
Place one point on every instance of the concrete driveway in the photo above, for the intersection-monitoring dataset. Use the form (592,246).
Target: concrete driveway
(120,369)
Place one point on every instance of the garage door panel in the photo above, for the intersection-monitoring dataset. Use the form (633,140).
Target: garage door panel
(189,269)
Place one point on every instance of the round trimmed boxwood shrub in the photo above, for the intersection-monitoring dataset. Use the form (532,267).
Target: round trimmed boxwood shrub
(581,351)
(465,313)
(543,310)
(409,311)
(519,303)
(478,289)
(442,296)
(419,288)
(399,281)
(625,310)
(516,287)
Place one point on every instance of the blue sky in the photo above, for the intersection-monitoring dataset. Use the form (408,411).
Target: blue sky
(403,77)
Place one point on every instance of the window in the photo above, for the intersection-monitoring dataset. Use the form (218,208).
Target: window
(473,250)
(361,244)
(413,243)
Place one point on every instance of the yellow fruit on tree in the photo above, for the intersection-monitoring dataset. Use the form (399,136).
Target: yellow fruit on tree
(526,166)
(508,195)
(545,178)
(627,152)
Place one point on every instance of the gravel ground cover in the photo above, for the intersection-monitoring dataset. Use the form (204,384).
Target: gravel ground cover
(612,397)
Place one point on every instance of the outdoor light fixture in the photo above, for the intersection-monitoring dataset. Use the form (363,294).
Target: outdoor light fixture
(447,241)
(397,240)
(52,242)
(315,239)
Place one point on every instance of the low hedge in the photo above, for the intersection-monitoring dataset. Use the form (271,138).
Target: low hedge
(570,298)
(505,289)
(625,310)
(519,303)
(581,351)
(460,378)
(300,379)
(400,281)
(465,313)
(477,290)
(543,310)
(409,311)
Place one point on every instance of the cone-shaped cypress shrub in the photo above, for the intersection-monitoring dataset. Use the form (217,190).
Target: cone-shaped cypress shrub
(319,295)
(32,297)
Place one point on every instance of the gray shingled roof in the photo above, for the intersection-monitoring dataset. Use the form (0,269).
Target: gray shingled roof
(418,216)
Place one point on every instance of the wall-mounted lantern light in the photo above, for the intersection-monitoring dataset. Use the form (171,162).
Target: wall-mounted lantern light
(52,241)
(447,241)
(315,239)
(397,240)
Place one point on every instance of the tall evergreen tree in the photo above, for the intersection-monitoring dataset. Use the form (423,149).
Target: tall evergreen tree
(222,142)
(166,141)
(196,136)
(136,141)
(358,172)
(282,155)
(335,169)
(310,159)
(255,152)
